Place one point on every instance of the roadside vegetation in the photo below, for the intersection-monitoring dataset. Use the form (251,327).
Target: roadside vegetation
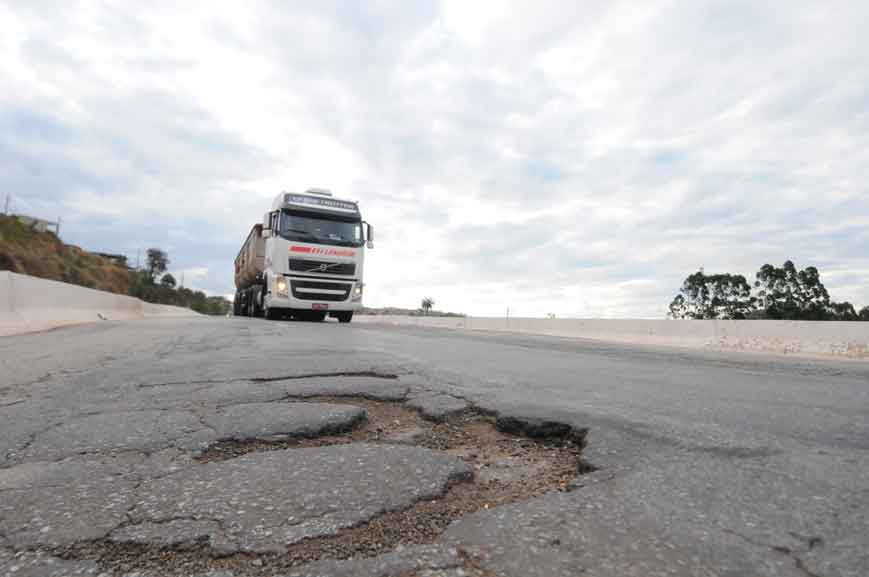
(427,305)
(155,285)
(426,309)
(783,293)
(420,312)
(41,254)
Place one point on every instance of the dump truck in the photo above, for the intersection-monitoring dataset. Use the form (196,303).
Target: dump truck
(305,260)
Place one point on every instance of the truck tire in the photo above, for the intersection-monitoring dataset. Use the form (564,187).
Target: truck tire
(345,316)
(257,302)
(239,304)
(271,314)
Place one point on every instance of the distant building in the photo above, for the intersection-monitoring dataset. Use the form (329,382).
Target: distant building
(118,259)
(39,224)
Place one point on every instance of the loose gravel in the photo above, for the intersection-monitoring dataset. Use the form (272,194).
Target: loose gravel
(507,468)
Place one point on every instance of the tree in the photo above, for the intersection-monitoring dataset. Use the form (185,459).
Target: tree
(158,260)
(843,312)
(781,293)
(716,296)
(427,304)
(788,293)
(679,308)
(168,281)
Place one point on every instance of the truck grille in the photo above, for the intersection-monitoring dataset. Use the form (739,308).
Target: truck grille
(322,266)
(315,291)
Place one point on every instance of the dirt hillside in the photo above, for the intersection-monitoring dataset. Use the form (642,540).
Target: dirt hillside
(42,254)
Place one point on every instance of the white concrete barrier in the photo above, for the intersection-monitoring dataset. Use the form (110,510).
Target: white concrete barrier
(32,304)
(801,338)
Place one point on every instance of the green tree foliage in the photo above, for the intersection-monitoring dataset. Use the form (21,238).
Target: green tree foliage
(780,293)
(788,293)
(158,260)
(146,290)
(165,293)
(715,296)
(427,304)
(843,311)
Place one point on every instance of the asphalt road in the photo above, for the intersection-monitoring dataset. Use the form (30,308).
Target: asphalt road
(707,464)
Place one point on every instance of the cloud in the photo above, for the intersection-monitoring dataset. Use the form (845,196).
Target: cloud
(550,157)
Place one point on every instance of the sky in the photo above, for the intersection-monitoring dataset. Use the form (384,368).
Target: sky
(569,158)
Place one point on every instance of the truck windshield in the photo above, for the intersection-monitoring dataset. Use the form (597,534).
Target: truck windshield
(319,229)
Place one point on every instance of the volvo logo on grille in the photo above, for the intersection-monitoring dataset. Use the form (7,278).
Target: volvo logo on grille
(321,267)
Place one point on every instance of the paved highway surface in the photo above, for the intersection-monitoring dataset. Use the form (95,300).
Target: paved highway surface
(707,464)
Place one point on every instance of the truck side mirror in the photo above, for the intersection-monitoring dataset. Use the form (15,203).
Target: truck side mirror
(267,225)
(370,235)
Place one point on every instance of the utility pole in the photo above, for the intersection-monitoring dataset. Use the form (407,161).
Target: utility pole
(138,251)
(182,280)
(6,204)
(57,230)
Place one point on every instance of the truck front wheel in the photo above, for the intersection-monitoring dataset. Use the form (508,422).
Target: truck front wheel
(256,302)
(345,316)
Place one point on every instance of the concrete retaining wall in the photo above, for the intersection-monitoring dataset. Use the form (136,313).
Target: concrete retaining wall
(32,304)
(801,338)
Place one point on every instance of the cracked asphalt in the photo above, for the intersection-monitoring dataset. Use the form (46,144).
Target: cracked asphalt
(706,464)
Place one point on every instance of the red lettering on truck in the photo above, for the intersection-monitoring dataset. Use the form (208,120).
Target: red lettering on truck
(322,251)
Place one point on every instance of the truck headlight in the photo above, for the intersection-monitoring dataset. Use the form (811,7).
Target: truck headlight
(357,292)
(281,287)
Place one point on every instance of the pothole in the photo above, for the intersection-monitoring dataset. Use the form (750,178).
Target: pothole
(386,422)
(507,468)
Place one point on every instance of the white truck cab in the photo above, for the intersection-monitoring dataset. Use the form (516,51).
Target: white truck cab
(306,260)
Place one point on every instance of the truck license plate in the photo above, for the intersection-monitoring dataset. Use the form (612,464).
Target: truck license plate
(319,306)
